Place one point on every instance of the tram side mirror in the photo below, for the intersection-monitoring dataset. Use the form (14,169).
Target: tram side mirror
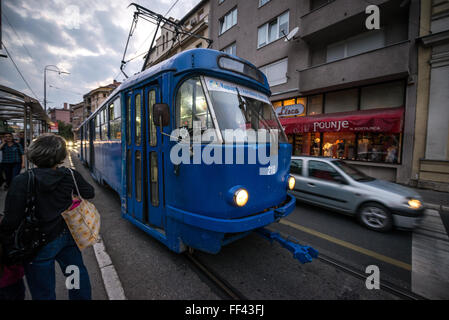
(161,114)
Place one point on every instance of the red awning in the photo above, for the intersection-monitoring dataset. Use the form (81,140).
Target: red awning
(376,120)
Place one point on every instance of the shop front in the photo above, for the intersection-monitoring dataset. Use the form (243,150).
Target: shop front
(373,135)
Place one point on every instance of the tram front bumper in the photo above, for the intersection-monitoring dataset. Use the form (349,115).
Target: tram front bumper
(232,225)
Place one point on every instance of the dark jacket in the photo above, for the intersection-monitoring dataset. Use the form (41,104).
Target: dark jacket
(54,189)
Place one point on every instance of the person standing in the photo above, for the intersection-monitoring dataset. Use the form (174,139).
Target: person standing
(54,189)
(13,159)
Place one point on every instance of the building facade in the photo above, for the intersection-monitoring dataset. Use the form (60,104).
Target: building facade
(78,114)
(340,88)
(169,43)
(431,145)
(95,97)
(60,114)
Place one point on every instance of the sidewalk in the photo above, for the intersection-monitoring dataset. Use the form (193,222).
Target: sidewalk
(96,280)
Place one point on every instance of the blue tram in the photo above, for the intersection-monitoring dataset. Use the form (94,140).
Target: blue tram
(129,144)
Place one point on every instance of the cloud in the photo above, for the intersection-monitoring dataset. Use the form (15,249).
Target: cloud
(84,37)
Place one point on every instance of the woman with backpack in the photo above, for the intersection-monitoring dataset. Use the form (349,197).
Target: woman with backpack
(54,187)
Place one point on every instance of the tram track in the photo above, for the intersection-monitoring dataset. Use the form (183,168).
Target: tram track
(226,289)
(383,285)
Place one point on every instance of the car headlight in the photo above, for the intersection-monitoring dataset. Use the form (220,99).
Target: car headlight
(414,203)
(241,197)
(291,182)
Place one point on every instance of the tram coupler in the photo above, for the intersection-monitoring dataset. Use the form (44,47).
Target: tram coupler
(301,253)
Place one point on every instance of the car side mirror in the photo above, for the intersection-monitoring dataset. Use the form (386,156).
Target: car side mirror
(161,115)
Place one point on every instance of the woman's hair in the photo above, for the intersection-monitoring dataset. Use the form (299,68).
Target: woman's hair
(47,151)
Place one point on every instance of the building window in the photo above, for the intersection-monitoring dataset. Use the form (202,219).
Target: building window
(386,95)
(228,21)
(341,101)
(276,72)
(315,105)
(231,49)
(273,30)
(364,42)
(220,1)
(263,2)
(315,4)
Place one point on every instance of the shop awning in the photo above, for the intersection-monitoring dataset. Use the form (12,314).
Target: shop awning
(376,120)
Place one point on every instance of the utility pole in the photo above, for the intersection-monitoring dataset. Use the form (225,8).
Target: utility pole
(45,81)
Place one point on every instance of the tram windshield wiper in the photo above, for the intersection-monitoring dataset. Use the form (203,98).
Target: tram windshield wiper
(244,105)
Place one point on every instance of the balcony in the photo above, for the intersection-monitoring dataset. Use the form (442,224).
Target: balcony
(388,63)
(332,14)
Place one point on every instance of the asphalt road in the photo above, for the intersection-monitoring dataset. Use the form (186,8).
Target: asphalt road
(253,266)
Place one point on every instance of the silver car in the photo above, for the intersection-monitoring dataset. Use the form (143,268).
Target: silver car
(336,185)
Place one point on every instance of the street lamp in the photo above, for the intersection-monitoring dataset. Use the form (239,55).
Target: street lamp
(45,81)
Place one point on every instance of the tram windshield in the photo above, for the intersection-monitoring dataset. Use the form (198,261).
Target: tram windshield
(230,107)
(238,107)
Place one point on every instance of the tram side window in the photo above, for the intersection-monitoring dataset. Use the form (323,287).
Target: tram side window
(191,105)
(97,127)
(104,124)
(138,123)
(115,120)
(128,120)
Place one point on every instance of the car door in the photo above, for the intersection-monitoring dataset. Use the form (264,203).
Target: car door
(326,186)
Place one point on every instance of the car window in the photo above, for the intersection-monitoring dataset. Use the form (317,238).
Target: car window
(296,167)
(322,170)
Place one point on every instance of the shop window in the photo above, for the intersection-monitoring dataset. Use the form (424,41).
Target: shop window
(387,95)
(341,101)
(289,102)
(379,147)
(323,171)
(315,105)
(339,145)
(296,167)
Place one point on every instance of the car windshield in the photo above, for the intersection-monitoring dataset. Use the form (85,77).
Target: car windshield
(354,173)
(238,107)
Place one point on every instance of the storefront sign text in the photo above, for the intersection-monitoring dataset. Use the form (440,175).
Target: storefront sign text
(332,125)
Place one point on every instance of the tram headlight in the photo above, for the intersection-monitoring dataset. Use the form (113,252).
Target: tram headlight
(241,197)
(291,182)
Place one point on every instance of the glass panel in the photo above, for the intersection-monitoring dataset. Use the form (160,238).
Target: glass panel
(97,127)
(138,176)
(152,127)
(387,95)
(283,25)
(128,116)
(378,147)
(138,122)
(154,179)
(296,167)
(315,105)
(272,31)
(339,145)
(129,171)
(341,101)
(323,171)
(262,35)
(191,105)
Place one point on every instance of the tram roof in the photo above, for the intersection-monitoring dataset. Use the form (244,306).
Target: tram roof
(186,61)
(13,104)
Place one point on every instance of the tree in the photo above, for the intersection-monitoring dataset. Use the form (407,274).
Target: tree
(65,130)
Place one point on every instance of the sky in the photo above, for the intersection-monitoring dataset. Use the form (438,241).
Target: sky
(86,38)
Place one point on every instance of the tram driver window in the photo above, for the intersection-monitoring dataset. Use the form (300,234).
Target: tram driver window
(191,105)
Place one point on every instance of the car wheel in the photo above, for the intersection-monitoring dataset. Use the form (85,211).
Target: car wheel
(375,217)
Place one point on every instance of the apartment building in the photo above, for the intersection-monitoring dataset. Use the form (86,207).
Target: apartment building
(93,99)
(340,89)
(171,42)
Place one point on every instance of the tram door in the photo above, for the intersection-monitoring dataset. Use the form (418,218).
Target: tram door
(143,158)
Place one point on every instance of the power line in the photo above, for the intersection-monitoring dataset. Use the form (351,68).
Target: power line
(20,38)
(18,70)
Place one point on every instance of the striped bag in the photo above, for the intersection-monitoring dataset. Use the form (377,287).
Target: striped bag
(83,220)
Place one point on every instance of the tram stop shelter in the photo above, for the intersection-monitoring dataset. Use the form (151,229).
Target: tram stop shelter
(16,107)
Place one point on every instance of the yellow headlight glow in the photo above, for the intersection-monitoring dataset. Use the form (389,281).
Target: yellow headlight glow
(291,183)
(241,197)
(415,204)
